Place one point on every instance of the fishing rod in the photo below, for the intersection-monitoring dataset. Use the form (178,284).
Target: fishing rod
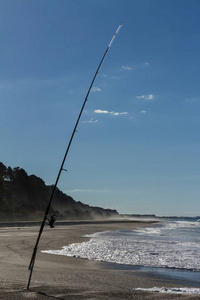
(31,265)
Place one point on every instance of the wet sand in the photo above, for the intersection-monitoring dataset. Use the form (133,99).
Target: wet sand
(61,277)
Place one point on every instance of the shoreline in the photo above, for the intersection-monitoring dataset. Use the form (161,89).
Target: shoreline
(190,277)
(77,222)
(69,278)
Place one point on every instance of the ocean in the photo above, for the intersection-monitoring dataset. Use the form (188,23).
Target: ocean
(170,249)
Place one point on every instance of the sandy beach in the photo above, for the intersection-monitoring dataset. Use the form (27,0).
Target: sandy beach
(61,277)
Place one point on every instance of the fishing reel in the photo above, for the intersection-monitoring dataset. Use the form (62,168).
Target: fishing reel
(52,220)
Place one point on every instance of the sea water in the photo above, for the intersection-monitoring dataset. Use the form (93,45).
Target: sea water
(171,247)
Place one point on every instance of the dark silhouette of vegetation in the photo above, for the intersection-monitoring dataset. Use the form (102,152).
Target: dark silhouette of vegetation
(24,197)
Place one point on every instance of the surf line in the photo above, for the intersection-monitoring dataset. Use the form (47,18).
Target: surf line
(31,265)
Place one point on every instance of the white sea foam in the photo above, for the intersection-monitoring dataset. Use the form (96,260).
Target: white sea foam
(168,226)
(152,247)
(185,290)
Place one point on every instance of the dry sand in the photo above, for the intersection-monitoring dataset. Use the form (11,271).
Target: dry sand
(61,277)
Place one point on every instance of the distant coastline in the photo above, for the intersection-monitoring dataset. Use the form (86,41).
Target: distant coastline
(152,216)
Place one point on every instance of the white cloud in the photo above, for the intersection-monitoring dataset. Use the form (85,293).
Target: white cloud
(96,89)
(149,97)
(112,113)
(91,121)
(143,111)
(146,97)
(124,113)
(99,111)
(126,68)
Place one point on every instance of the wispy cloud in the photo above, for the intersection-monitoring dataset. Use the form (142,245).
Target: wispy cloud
(96,89)
(79,190)
(118,113)
(143,111)
(112,113)
(192,99)
(188,213)
(90,121)
(92,114)
(126,68)
(87,191)
(146,97)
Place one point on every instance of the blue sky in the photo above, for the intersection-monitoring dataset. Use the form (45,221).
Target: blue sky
(138,141)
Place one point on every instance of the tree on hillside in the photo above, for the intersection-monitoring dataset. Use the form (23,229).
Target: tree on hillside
(3,170)
(20,175)
(24,197)
(9,174)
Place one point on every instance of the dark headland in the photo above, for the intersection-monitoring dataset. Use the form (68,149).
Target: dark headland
(25,197)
